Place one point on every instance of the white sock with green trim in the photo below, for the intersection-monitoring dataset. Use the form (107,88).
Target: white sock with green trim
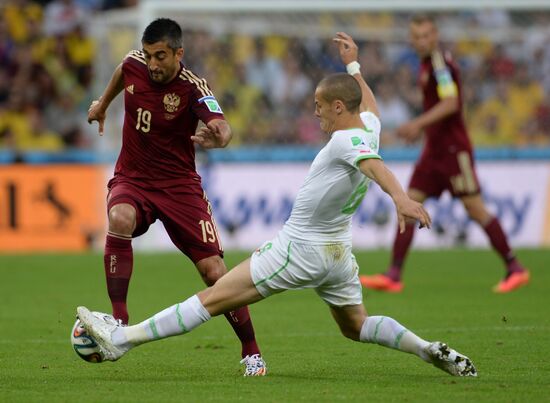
(177,319)
(388,332)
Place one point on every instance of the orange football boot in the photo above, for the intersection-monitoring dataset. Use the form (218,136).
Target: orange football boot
(381,282)
(512,282)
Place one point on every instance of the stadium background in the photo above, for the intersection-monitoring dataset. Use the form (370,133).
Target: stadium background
(53,169)
(262,60)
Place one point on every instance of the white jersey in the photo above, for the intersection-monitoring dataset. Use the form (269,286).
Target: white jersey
(334,186)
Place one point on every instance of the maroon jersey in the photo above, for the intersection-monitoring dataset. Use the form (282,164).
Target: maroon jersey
(439,77)
(159,120)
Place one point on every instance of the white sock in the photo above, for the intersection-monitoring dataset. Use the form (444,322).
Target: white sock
(388,332)
(177,319)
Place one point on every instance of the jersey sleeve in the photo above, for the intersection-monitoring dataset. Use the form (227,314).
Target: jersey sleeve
(357,145)
(446,86)
(203,103)
(134,55)
(372,124)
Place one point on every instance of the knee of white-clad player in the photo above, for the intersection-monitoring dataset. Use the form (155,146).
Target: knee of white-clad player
(218,299)
(350,320)
(209,301)
(351,327)
(350,332)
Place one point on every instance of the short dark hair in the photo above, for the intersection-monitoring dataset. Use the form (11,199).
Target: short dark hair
(421,18)
(163,29)
(343,87)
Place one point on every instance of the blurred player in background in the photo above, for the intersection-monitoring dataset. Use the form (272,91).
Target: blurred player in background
(313,250)
(446,162)
(155,175)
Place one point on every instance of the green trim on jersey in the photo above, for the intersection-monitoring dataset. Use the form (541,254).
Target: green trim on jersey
(366,157)
(280,269)
(373,143)
(356,198)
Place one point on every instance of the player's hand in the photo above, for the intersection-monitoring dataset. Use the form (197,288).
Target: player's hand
(205,137)
(347,47)
(97,113)
(410,131)
(410,209)
(216,134)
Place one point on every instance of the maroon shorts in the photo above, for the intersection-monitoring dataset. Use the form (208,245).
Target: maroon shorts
(184,211)
(456,174)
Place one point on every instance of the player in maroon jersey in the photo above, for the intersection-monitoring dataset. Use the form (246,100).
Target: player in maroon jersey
(447,160)
(155,175)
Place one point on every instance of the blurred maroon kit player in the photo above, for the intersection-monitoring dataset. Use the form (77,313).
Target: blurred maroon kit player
(155,176)
(447,161)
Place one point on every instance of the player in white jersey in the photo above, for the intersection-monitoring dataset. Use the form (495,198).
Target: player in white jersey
(335,186)
(313,250)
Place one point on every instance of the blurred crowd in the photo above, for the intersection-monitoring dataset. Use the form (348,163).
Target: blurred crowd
(46,61)
(265,84)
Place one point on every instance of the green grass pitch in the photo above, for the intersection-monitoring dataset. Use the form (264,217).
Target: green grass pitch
(447,297)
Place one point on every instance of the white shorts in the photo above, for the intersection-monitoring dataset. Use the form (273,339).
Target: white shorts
(283,264)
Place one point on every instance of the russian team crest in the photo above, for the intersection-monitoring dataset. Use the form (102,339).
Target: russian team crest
(171,102)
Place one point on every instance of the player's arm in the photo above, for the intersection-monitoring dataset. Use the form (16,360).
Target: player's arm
(98,108)
(216,134)
(348,54)
(445,107)
(375,169)
(448,104)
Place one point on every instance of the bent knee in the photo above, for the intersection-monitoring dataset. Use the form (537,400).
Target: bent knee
(212,275)
(479,215)
(122,219)
(211,269)
(352,334)
(351,331)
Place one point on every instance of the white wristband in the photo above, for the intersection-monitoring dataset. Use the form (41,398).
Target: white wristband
(353,68)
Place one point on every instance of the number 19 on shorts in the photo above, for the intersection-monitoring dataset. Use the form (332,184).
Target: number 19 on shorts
(208,231)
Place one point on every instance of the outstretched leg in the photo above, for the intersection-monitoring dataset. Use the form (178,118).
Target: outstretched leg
(385,331)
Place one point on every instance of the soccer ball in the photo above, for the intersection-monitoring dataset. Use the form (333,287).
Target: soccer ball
(84,345)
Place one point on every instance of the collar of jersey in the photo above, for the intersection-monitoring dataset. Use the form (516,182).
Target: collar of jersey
(351,128)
